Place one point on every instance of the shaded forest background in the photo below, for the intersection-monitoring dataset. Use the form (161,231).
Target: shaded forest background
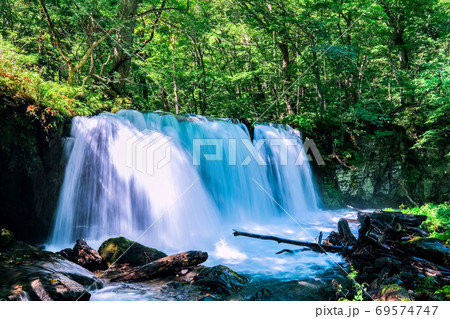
(367,80)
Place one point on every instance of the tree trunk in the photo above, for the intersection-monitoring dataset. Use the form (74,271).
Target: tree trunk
(286,75)
(125,39)
(71,74)
(164,100)
(174,69)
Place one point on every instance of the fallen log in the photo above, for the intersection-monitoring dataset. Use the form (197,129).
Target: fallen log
(428,268)
(410,220)
(392,218)
(313,246)
(164,266)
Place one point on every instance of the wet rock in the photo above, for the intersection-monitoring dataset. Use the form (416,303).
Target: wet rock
(40,291)
(430,249)
(6,237)
(334,239)
(18,294)
(87,257)
(386,266)
(137,255)
(21,265)
(67,253)
(382,262)
(261,294)
(220,279)
(60,287)
(174,284)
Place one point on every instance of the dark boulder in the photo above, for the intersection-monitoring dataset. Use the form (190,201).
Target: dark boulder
(220,279)
(87,257)
(136,254)
(67,253)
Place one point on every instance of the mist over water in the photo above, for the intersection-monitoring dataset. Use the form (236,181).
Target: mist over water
(193,193)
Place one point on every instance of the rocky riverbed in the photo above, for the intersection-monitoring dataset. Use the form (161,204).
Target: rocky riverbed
(82,273)
(391,259)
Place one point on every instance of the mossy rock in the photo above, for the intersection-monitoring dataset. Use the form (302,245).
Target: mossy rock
(137,255)
(6,236)
(394,292)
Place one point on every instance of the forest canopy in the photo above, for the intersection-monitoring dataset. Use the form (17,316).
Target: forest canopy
(345,64)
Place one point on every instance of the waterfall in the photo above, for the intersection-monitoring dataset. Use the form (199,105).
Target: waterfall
(203,173)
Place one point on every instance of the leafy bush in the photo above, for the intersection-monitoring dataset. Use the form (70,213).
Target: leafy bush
(438,219)
(20,80)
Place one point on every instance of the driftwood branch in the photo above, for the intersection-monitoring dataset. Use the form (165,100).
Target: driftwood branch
(313,246)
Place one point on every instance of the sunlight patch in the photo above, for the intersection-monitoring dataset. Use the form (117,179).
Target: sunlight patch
(228,253)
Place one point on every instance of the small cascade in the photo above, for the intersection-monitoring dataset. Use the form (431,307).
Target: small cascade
(288,169)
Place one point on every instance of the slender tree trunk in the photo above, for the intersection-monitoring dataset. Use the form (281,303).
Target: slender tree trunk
(286,75)
(125,39)
(71,74)
(174,69)
(316,71)
(164,100)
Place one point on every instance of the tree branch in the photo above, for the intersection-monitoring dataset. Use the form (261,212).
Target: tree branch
(52,31)
(91,48)
(158,10)
(313,246)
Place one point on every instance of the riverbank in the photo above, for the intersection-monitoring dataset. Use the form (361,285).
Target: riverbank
(391,259)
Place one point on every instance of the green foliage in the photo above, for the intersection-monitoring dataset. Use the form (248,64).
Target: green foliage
(47,100)
(443,292)
(438,219)
(357,291)
(432,288)
(331,195)
(351,68)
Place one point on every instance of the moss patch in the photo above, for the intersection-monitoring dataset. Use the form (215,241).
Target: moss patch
(137,254)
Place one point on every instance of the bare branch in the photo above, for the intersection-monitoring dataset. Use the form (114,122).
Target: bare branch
(159,10)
